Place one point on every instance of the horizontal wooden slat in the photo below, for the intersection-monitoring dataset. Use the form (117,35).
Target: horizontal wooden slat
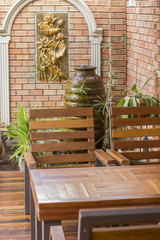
(122,133)
(135,110)
(66,158)
(61,135)
(142,155)
(136,144)
(116,122)
(64,112)
(79,123)
(64,146)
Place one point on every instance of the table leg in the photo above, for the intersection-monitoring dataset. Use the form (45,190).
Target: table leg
(46,228)
(32,212)
(27,191)
(38,228)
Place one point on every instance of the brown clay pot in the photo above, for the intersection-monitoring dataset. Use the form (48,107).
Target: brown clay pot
(86,78)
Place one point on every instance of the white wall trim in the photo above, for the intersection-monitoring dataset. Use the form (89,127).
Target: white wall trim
(95,36)
(11,15)
(4,79)
(18,5)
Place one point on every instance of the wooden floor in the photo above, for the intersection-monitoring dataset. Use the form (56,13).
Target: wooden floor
(14,224)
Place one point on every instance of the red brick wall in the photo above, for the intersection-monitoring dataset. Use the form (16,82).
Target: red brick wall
(143,49)
(23,86)
(117,50)
(141,23)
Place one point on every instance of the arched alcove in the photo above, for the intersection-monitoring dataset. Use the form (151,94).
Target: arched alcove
(95,36)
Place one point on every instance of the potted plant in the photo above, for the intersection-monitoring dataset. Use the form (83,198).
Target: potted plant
(137,97)
(20,132)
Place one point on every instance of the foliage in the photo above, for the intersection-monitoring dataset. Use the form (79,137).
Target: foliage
(125,39)
(20,132)
(133,99)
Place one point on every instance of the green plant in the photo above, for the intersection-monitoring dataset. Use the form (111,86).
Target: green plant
(132,100)
(125,39)
(20,132)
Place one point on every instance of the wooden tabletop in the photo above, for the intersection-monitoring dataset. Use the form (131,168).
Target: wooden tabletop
(60,193)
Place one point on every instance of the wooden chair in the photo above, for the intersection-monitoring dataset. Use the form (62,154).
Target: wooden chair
(61,138)
(103,224)
(135,140)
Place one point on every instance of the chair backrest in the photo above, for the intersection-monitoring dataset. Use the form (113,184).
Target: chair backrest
(128,224)
(62,137)
(137,137)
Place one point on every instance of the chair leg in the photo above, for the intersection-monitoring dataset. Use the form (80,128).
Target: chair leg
(27,191)
(32,215)
(98,163)
(46,228)
(38,228)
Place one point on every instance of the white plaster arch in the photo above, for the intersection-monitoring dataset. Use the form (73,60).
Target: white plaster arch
(95,36)
(18,5)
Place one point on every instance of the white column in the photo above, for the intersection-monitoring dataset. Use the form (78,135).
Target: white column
(4,79)
(96,39)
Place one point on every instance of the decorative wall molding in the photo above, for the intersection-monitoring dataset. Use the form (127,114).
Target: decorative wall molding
(95,36)
(4,79)
(18,5)
(11,15)
(96,39)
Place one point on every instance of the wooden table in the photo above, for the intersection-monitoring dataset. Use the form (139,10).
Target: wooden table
(59,193)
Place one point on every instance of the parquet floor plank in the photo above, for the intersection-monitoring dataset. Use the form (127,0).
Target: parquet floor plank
(14,224)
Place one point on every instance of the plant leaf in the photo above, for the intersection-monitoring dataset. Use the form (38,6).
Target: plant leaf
(121,102)
(127,103)
(134,87)
(133,102)
(125,91)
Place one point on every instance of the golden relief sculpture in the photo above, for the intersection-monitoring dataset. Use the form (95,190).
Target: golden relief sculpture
(51,48)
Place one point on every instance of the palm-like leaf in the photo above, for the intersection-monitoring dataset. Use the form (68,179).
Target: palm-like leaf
(20,132)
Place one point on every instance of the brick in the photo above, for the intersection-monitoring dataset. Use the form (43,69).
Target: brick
(49,92)
(16,75)
(21,45)
(15,51)
(15,98)
(49,104)
(35,104)
(60,92)
(60,104)
(22,92)
(56,86)
(36,92)
(28,98)
(22,69)
(28,86)
(41,98)
(23,81)
(16,86)
(42,86)
(22,57)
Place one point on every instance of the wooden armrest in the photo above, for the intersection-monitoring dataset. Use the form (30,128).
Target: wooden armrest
(118,157)
(30,161)
(56,233)
(104,157)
